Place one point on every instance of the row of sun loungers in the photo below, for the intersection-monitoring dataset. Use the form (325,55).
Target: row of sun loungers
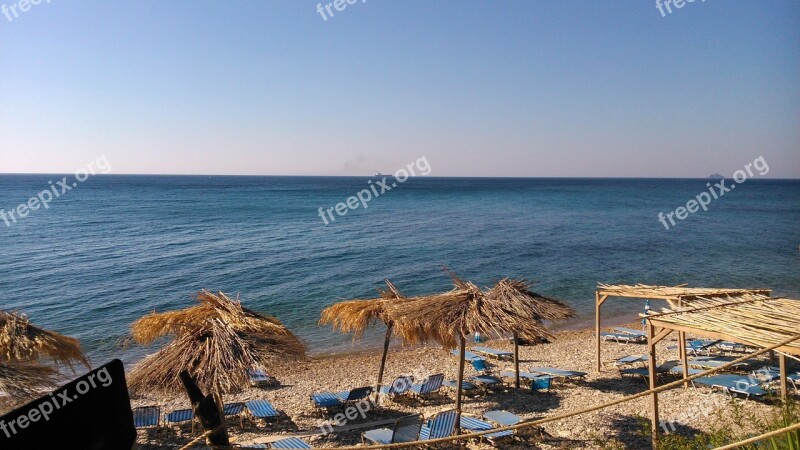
(150,416)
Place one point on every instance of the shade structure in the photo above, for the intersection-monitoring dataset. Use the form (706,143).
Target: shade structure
(216,341)
(356,316)
(26,380)
(450,318)
(21,341)
(511,291)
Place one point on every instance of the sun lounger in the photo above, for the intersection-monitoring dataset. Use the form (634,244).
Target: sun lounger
(630,331)
(259,378)
(728,346)
(468,355)
(291,442)
(431,385)
(557,373)
(399,386)
(262,409)
(542,383)
(484,378)
(621,338)
(471,424)
(179,417)
(644,372)
(499,354)
(406,429)
(715,362)
(234,410)
(328,400)
(146,417)
(678,370)
(522,374)
(631,360)
(732,384)
(465,385)
(442,425)
(502,418)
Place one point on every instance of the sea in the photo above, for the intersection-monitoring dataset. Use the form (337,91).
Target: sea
(112,248)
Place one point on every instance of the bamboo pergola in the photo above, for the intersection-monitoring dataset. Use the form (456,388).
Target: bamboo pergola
(753,319)
(676,296)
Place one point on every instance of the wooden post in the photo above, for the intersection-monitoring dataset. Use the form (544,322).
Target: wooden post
(597,328)
(386,342)
(772,357)
(784,387)
(651,344)
(207,412)
(460,382)
(684,357)
(516,358)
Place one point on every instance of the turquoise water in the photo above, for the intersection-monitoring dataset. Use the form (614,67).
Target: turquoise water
(116,247)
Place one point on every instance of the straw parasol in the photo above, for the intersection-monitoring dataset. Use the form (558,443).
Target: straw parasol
(217,341)
(543,308)
(450,317)
(21,341)
(26,380)
(356,316)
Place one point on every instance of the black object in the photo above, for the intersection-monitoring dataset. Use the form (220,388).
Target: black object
(92,412)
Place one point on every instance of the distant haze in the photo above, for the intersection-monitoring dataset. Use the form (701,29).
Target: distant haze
(597,89)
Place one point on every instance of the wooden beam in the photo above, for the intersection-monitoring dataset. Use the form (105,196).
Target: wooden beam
(684,357)
(662,333)
(386,342)
(597,305)
(784,387)
(460,388)
(516,359)
(651,344)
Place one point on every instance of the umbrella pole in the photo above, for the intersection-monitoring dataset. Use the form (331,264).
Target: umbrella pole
(516,358)
(460,376)
(386,342)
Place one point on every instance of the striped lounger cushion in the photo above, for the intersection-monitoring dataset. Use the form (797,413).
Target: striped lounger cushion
(262,409)
(290,443)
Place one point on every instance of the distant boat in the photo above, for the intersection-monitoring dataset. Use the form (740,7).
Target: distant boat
(716,176)
(380,175)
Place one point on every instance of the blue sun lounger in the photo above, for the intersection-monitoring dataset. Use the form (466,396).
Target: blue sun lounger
(431,385)
(502,418)
(466,386)
(405,429)
(678,370)
(732,384)
(259,378)
(328,400)
(146,416)
(291,442)
(262,409)
(399,386)
(499,354)
(630,360)
(557,373)
(179,417)
(630,331)
(471,424)
(468,355)
(442,425)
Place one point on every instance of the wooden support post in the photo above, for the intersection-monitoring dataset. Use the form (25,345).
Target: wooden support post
(460,381)
(651,344)
(386,342)
(684,357)
(784,387)
(207,412)
(772,357)
(597,305)
(516,358)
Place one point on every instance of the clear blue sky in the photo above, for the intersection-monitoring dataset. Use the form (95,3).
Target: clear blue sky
(523,88)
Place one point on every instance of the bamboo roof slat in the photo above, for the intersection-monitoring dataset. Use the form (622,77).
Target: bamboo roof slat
(671,292)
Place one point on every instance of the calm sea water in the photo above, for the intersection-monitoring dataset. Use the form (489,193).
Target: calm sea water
(117,247)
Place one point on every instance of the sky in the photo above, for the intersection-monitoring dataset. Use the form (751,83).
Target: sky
(561,88)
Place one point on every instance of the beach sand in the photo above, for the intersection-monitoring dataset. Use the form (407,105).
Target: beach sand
(572,350)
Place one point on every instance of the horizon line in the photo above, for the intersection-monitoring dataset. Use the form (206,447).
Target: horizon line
(390,175)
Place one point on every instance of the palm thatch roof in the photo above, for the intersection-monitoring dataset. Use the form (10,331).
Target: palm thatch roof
(447,318)
(217,341)
(356,316)
(671,292)
(26,380)
(22,341)
(545,308)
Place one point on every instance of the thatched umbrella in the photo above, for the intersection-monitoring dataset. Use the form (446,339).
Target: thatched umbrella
(543,308)
(217,341)
(26,380)
(355,316)
(21,341)
(450,317)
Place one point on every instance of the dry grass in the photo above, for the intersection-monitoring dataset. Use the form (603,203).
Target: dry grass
(216,341)
(25,381)
(356,316)
(22,341)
